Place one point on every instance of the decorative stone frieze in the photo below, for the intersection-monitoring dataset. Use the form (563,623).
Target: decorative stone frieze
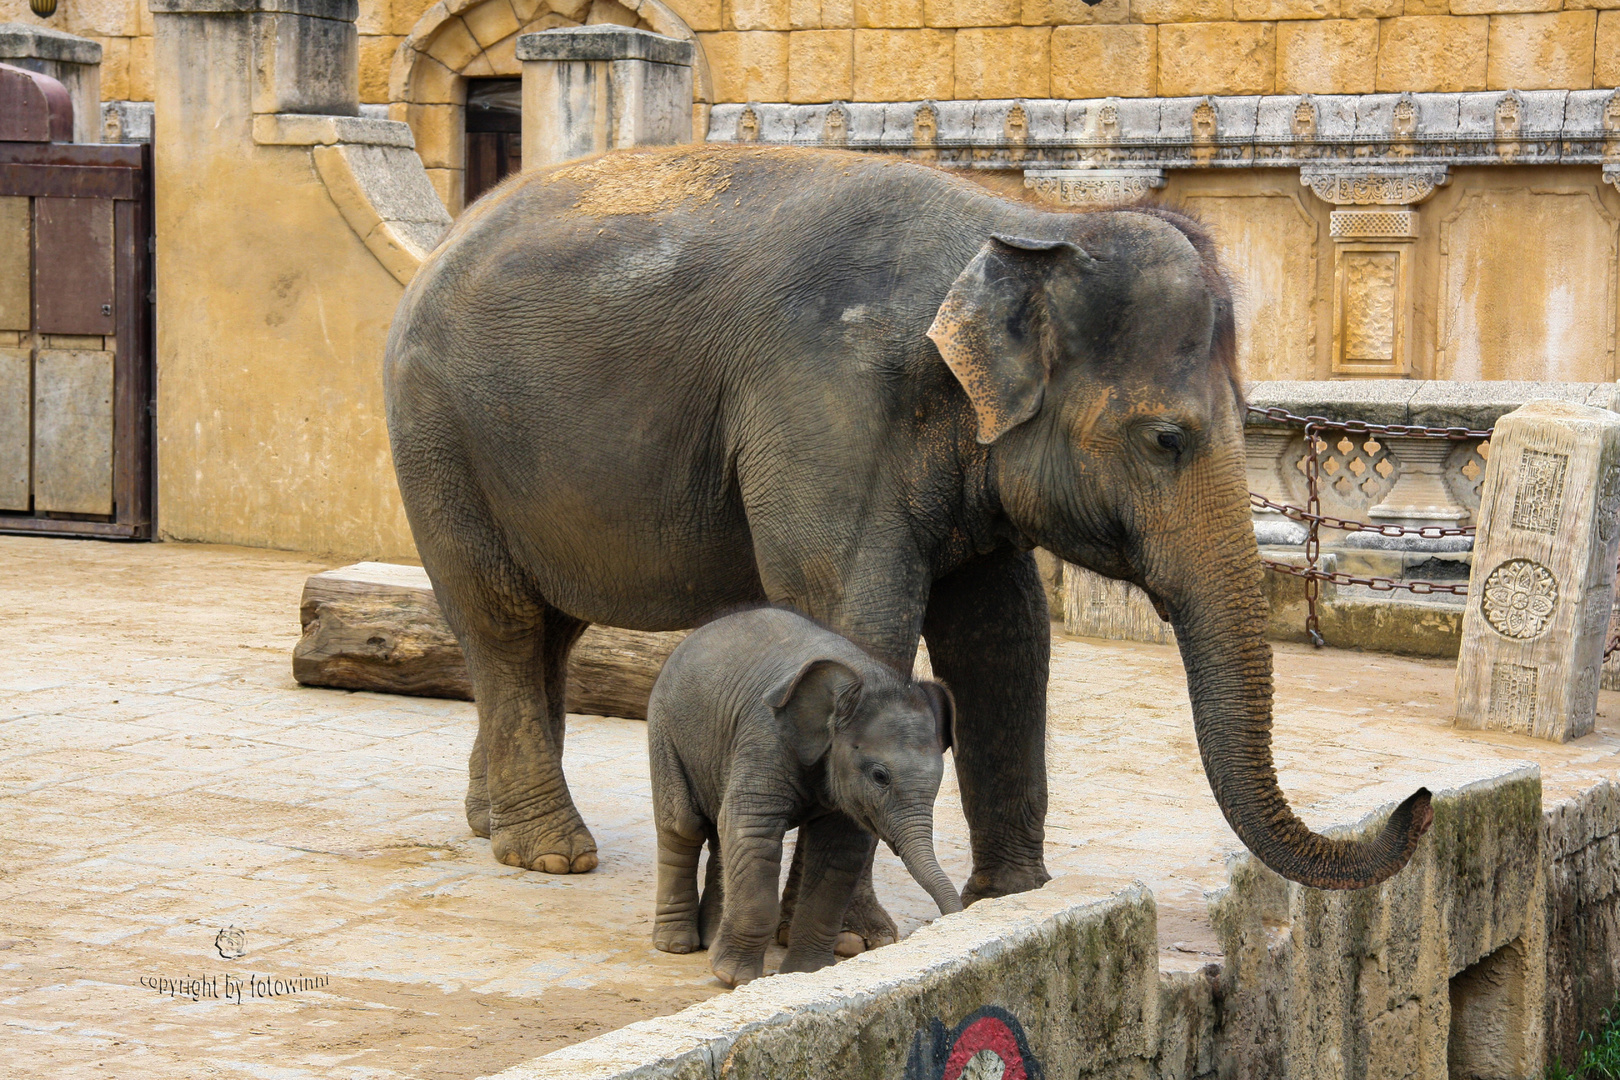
(1093,187)
(1542,587)
(1374,185)
(1372,224)
(1359,131)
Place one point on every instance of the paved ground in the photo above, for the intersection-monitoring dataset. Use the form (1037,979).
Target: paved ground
(162,779)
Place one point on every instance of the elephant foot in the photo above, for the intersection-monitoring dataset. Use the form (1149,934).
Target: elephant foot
(677,937)
(866,924)
(533,846)
(734,969)
(1003,881)
(805,960)
(478,808)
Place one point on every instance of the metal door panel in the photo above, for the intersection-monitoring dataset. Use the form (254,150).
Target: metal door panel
(15,398)
(73,431)
(15,262)
(73,266)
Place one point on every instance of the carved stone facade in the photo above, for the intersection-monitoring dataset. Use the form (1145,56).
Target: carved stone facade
(1093,187)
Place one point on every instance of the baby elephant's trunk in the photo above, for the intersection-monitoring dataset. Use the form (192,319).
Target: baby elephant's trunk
(915,846)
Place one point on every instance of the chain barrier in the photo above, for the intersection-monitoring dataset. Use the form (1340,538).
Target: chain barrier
(1314,520)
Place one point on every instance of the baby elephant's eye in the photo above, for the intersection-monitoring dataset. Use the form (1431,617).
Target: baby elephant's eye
(880,776)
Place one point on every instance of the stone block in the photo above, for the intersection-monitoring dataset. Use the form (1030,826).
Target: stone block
(434,84)
(1606,66)
(903,65)
(453,45)
(1104,61)
(1003,62)
(1074,12)
(1371,9)
(1099,607)
(16,406)
(590,89)
(1217,58)
(140,69)
(1424,53)
(115,69)
(698,14)
(491,21)
(1542,589)
(748,66)
(376,63)
(757,15)
(1540,52)
(886,14)
(440,135)
(837,14)
(1165,11)
(821,65)
(1501,7)
(1327,56)
(1581,5)
(1260,10)
(610,12)
(972,12)
(804,15)
(449,186)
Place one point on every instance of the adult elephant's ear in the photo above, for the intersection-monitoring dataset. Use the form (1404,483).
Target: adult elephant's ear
(990,327)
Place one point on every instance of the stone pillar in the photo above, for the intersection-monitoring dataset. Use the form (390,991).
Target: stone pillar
(1093,187)
(1372,260)
(588,89)
(75,62)
(1542,585)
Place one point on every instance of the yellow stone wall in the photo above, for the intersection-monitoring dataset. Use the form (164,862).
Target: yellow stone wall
(902,50)
(1515,272)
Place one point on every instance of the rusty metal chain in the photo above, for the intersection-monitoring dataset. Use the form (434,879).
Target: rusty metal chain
(1314,519)
(1427,532)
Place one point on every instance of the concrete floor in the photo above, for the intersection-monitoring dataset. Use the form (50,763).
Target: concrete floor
(162,778)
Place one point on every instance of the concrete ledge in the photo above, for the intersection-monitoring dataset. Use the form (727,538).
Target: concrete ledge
(1431,403)
(44,43)
(338,10)
(312,129)
(604,42)
(1078,974)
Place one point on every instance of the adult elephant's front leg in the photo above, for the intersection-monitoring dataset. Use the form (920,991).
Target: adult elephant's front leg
(989,640)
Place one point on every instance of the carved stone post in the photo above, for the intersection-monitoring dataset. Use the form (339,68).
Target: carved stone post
(1093,187)
(1372,260)
(1542,586)
(587,89)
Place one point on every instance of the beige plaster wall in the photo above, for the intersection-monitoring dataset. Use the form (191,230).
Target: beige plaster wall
(272,319)
(1515,272)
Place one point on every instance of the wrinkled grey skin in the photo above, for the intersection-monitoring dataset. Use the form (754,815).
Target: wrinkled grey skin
(653,386)
(762,722)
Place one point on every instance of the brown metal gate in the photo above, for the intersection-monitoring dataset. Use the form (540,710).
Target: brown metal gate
(76,372)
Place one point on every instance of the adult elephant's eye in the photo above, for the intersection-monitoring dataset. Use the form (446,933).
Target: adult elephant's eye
(1172,441)
(880,776)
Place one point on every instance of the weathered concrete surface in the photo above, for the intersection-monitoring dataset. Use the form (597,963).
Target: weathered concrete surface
(161,777)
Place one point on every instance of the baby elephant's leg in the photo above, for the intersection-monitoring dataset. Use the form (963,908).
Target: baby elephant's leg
(835,851)
(675,927)
(751,862)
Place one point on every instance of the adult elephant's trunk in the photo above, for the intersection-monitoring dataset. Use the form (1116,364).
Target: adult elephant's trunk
(1219,614)
(914,843)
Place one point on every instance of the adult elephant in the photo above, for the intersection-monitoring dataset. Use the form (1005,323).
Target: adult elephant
(647,387)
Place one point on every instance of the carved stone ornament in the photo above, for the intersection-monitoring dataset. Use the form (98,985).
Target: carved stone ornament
(924,125)
(1519,598)
(1371,185)
(1093,187)
(1016,129)
(748,126)
(1611,175)
(1203,122)
(1404,119)
(1305,118)
(835,128)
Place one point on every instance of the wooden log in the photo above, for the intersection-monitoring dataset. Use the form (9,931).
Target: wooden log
(377,626)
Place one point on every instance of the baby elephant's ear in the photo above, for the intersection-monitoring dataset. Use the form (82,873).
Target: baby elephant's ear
(819,697)
(944,706)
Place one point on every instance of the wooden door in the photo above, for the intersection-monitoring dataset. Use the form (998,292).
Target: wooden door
(76,376)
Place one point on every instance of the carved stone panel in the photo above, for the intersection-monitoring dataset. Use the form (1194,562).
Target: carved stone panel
(1543,580)
(1370,299)
(1093,187)
(1373,185)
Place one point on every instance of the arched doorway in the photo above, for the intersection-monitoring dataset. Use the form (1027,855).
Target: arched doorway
(457,48)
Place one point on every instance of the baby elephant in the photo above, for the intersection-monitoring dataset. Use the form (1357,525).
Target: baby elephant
(761,722)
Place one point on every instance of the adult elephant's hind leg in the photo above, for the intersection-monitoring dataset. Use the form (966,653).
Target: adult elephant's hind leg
(517,651)
(990,641)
